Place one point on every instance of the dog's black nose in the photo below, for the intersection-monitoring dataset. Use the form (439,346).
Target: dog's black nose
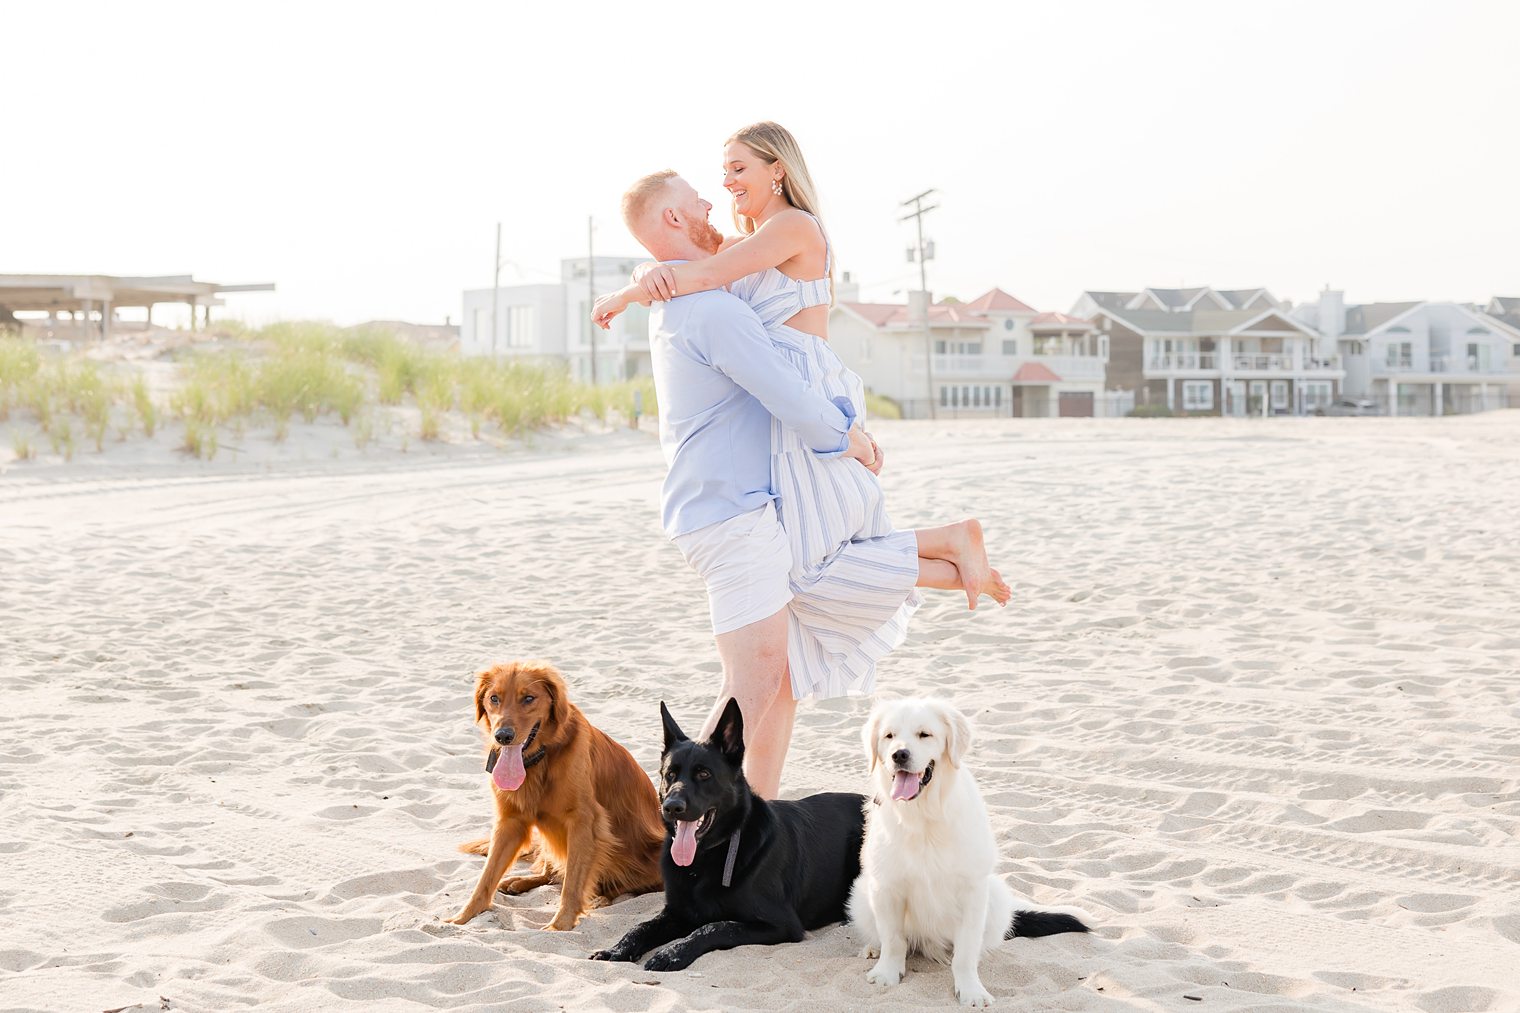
(900,757)
(504,736)
(673,808)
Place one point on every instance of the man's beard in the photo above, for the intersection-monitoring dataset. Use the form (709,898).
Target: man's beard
(706,238)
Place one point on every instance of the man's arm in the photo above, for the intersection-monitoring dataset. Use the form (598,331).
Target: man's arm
(735,343)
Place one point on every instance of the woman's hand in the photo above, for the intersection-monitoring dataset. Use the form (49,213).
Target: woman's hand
(607,307)
(860,447)
(643,269)
(658,283)
(875,466)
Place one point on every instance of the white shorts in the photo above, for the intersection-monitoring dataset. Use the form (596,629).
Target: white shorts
(745,563)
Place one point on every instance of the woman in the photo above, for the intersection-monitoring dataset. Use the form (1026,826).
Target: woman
(853,574)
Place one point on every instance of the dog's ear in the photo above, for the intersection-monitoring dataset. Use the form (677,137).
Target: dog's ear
(482,683)
(957,735)
(673,733)
(729,735)
(868,733)
(554,686)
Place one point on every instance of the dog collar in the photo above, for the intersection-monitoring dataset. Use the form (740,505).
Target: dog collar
(733,854)
(528,761)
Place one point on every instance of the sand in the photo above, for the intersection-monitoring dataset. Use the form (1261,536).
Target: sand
(1254,707)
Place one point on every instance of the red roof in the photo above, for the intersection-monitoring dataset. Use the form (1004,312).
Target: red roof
(998,300)
(882,314)
(1034,372)
(1060,318)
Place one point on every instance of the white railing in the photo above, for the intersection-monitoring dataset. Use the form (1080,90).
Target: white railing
(1244,362)
(1070,367)
(1067,367)
(1184,360)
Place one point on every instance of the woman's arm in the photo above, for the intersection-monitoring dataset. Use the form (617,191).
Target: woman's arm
(771,245)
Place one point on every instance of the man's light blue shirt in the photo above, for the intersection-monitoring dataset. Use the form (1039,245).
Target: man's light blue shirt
(719,381)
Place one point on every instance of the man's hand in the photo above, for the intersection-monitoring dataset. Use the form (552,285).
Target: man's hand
(875,466)
(861,448)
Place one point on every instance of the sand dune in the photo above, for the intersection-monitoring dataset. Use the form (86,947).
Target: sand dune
(1256,707)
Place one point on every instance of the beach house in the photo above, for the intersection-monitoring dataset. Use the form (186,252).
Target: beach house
(551,322)
(1421,358)
(994,356)
(1205,351)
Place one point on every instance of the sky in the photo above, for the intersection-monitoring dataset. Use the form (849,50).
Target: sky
(360,155)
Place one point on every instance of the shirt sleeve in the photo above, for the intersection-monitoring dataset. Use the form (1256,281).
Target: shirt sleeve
(736,344)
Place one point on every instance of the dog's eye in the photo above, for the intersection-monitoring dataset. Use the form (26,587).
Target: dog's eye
(703,775)
(923,735)
(495,699)
(887,736)
(527,699)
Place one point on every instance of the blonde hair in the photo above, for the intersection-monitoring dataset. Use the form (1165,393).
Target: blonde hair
(774,143)
(637,197)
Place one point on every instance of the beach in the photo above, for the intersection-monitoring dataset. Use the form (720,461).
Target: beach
(1255,707)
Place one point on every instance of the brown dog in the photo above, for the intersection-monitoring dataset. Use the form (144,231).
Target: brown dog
(596,813)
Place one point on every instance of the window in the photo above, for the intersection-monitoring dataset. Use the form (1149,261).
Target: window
(1515,351)
(1478,357)
(944,397)
(939,348)
(520,327)
(483,329)
(1316,394)
(1197,395)
(976,397)
(1400,355)
(965,397)
(1007,325)
(997,396)
(1011,346)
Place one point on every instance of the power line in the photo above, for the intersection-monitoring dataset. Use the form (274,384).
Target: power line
(923,283)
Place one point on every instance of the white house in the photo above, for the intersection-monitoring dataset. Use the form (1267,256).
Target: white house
(1420,358)
(551,323)
(993,356)
(1205,351)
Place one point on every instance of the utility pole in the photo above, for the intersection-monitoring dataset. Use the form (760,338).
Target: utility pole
(923,283)
(591,327)
(495,290)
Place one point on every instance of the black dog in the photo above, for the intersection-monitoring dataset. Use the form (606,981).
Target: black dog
(740,870)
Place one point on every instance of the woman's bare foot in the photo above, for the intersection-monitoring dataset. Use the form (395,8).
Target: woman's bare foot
(969,555)
(998,588)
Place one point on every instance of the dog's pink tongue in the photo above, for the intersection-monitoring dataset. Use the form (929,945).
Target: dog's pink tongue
(904,786)
(684,848)
(509,773)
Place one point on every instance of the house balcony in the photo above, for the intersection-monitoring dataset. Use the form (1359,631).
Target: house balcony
(1079,368)
(1449,369)
(1240,362)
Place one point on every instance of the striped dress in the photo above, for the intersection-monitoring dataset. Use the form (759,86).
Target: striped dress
(853,574)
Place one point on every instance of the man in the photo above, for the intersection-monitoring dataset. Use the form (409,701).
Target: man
(719,382)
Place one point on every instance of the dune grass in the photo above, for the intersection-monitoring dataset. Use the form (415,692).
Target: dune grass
(269,376)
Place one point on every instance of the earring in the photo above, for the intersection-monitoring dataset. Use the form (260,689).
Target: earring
(776,188)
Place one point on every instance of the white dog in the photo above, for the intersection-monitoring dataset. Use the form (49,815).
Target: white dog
(926,869)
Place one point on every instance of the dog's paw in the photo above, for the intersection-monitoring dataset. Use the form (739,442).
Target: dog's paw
(973,995)
(518,885)
(870,952)
(464,917)
(667,958)
(612,954)
(562,923)
(883,975)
